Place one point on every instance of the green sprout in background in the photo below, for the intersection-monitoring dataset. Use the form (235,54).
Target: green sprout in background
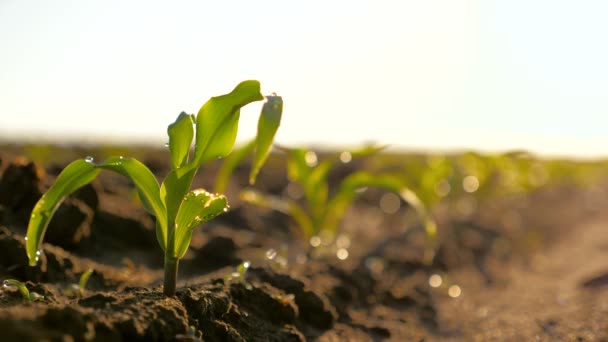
(178,210)
(25,293)
(321,214)
(79,289)
(239,275)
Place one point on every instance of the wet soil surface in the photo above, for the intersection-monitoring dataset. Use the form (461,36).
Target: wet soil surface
(527,267)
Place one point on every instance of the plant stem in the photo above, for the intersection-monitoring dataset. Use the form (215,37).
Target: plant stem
(170,276)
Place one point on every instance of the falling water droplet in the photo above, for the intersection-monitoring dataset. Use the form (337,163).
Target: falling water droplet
(89,159)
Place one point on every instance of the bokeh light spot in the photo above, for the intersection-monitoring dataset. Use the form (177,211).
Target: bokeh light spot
(470,184)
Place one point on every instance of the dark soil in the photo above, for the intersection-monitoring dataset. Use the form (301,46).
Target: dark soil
(529,267)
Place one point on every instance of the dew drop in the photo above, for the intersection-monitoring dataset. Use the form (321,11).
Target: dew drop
(435,280)
(38,252)
(89,159)
(225,209)
(121,157)
(25,238)
(311,158)
(346,157)
(166,145)
(271,254)
(470,184)
(246,264)
(315,241)
(34,297)
(454,291)
(342,254)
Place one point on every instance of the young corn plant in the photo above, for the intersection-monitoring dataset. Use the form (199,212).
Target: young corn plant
(25,293)
(322,214)
(178,210)
(80,288)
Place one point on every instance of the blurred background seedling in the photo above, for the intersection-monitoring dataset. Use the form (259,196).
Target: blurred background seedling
(25,293)
(80,288)
(317,211)
(239,275)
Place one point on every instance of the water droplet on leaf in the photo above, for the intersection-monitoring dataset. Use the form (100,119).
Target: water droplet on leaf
(89,159)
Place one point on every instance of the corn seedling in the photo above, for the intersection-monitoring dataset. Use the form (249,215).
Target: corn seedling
(178,210)
(322,215)
(25,293)
(239,275)
(79,289)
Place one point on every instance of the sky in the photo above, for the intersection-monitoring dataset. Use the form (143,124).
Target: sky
(433,74)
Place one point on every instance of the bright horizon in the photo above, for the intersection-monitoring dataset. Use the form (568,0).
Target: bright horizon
(439,75)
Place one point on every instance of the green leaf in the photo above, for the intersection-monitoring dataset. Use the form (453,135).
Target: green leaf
(74,176)
(172,191)
(84,278)
(316,190)
(217,121)
(180,133)
(197,207)
(229,165)
(269,122)
(81,172)
(25,293)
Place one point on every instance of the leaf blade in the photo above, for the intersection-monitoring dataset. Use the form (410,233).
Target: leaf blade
(180,134)
(197,207)
(74,176)
(268,124)
(217,121)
